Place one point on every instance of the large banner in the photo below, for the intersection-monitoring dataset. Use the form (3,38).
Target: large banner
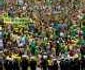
(16,20)
(8,20)
(20,20)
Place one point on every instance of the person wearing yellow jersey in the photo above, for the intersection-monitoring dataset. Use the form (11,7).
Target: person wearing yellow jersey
(50,64)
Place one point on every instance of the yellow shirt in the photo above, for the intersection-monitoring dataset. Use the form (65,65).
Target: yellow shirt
(49,62)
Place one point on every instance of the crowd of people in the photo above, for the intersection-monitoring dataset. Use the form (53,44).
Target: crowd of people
(53,40)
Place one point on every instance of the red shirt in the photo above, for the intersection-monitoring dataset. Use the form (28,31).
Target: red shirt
(71,52)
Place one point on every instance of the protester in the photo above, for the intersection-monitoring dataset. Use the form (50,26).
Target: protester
(55,65)
(33,64)
(16,65)
(1,65)
(44,62)
(8,63)
(24,63)
(50,28)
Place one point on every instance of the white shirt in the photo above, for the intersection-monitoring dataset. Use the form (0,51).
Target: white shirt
(61,34)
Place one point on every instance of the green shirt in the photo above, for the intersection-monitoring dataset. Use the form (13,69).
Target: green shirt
(81,42)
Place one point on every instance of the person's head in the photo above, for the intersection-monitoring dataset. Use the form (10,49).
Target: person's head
(32,58)
(15,59)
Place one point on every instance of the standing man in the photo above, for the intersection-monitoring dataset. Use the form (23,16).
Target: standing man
(15,64)
(55,65)
(33,64)
(44,62)
(24,63)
